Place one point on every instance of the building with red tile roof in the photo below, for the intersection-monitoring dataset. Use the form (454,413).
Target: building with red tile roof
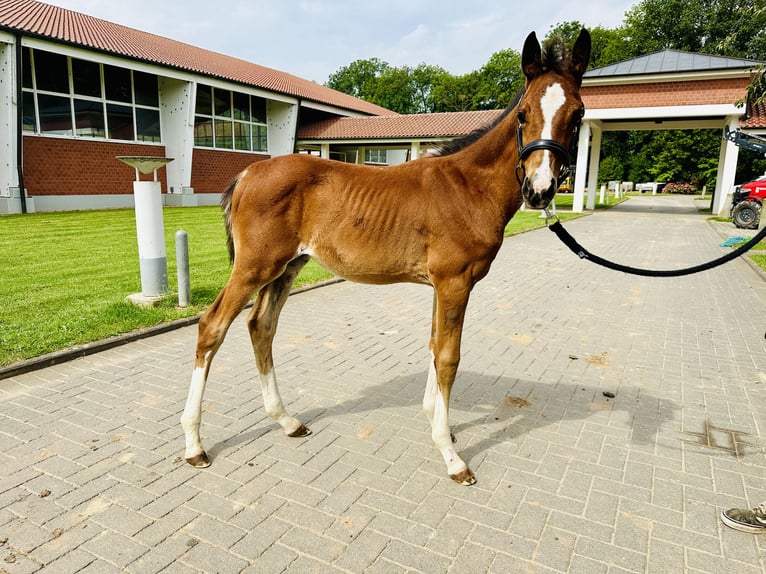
(86,90)
(83,91)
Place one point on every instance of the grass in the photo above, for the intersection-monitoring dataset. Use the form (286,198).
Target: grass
(66,275)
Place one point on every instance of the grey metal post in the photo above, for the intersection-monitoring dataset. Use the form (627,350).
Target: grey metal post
(182,263)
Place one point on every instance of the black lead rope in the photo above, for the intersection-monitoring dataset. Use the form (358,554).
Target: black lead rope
(583,253)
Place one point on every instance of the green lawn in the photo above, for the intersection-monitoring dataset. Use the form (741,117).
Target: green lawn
(66,275)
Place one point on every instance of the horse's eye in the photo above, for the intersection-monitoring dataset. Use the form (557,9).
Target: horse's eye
(522,117)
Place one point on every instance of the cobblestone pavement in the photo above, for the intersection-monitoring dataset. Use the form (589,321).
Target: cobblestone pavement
(609,418)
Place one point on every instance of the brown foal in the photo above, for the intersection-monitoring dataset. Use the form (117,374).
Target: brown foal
(437,221)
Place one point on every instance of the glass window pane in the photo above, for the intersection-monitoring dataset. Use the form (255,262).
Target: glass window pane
(55,114)
(119,121)
(26,67)
(222,103)
(241,136)
(204,103)
(89,118)
(51,72)
(260,139)
(148,125)
(223,137)
(30,125)
(241,107)
(86,78)
(146,90)
(117,84)
(203,132)
(259,109)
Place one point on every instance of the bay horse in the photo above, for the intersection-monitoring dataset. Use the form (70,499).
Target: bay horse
(438,221)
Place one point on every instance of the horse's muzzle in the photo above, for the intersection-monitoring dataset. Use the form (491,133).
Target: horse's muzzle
(536,199)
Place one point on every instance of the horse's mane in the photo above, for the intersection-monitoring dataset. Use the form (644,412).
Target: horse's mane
(555,53)
(454,146)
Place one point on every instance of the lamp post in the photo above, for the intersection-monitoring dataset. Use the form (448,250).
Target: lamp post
(150,230)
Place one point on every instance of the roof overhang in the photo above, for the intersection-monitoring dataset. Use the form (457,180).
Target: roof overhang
(666,117)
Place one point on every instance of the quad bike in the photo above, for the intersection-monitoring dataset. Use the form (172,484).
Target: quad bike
(746,203)
(748,198)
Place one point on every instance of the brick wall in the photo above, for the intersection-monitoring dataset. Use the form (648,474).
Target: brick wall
(212,170)
(58,166)
(700,92)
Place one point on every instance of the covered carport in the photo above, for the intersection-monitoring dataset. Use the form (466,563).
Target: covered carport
(664,90)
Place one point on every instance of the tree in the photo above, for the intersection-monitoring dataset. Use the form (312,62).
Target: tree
(499,81)
(394,90)
(425,78)
(735,28)
(455,93)
(359,78)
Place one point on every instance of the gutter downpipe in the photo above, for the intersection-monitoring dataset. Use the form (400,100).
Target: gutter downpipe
(20,124)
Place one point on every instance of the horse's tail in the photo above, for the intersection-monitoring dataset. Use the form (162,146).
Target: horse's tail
(226,205)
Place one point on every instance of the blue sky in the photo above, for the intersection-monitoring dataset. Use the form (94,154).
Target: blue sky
(314,38)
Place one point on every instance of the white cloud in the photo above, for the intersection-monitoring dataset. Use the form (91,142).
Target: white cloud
(314,38)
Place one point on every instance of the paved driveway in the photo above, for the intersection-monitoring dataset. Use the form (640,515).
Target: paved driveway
(608,419)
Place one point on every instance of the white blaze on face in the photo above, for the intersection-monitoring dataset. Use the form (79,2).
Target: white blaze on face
(550,103)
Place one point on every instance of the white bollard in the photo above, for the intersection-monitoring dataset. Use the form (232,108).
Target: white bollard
(182,268)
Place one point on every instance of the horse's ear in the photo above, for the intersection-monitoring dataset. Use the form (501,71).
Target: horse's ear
(531,57)
(581,55)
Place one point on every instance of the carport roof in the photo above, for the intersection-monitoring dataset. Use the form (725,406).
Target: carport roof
(671,62)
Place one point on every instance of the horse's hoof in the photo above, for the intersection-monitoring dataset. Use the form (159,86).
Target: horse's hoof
(464,477)
(302,430)
(199,461)
(452,436)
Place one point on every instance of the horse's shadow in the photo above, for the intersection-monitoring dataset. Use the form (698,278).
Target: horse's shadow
(487,410)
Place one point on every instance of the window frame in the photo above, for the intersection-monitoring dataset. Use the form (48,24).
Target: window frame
(221,130)
(36,127)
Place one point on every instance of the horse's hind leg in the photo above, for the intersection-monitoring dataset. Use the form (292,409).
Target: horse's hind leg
(213,326)
(262,324)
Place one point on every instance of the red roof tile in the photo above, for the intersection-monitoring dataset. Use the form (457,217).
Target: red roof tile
(398,126)
(58,24)
(757,117)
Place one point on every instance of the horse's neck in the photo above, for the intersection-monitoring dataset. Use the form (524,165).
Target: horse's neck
(492,160)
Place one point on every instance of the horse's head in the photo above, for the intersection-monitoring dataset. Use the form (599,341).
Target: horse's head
(548,114)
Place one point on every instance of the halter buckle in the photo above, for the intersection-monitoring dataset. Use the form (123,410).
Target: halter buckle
(549,215)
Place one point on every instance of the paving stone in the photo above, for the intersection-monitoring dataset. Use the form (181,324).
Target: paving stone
(569,480)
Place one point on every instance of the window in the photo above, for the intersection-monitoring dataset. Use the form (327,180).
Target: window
(230,120)
(73,97)
(378,156)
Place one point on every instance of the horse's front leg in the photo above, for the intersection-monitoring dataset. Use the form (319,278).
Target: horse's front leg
(446,332)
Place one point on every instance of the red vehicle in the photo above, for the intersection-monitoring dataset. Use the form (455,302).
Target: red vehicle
(746,203)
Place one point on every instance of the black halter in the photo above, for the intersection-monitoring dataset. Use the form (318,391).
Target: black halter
(553,146)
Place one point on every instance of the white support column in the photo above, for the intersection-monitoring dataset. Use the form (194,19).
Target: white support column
(177,99)
(727,167)
(324,150)
(593,165)
(415,151)
(10,201)
(282,121)
(583,145)
(361,151)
